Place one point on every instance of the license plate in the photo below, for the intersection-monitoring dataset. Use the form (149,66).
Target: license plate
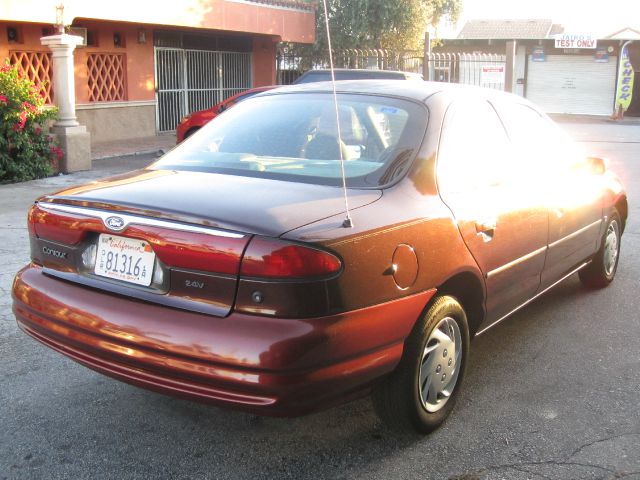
(125,259)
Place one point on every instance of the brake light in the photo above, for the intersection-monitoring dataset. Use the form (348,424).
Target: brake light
(278,259)
(57,226)
(31,221)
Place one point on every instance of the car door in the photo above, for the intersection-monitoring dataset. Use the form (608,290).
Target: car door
(566,181)
(502,221)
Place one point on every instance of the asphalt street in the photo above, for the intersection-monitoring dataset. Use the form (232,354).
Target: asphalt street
(554,392)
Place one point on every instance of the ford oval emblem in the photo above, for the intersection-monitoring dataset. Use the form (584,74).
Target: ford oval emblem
(114,223)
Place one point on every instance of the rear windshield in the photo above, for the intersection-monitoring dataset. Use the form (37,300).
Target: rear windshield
(293,137)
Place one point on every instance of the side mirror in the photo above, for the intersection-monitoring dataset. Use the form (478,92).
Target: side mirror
(597,165)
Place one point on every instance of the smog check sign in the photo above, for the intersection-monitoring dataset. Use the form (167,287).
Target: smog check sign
(568,40)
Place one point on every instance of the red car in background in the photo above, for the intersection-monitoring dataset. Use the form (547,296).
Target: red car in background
(194,121)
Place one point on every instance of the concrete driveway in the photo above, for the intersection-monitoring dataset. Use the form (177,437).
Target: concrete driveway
(552,393)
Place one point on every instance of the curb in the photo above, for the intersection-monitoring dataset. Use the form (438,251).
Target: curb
(157,151)
(592,119)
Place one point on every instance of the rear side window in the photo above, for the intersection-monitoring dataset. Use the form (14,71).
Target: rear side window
(474,147)
(294,137)
(539,144)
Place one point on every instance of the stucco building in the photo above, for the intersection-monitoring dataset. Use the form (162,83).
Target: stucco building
(560,71)
(145,64)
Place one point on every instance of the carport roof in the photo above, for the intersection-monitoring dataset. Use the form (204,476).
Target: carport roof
(509,29)
(300,4)
(625,34)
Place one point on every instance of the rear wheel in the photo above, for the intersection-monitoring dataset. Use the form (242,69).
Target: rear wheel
(602,269)
(421,392)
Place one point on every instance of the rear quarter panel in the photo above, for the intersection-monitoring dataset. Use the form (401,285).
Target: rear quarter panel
(410,212)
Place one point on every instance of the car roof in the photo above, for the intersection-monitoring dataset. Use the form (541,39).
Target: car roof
(354,70)
(250,90)
(419,91)
(353,74)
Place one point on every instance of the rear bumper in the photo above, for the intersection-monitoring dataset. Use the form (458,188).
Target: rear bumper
(264,365)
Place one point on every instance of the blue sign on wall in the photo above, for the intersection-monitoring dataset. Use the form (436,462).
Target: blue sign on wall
(601,55)
(537,54)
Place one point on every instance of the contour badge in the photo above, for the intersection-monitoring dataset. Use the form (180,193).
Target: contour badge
(114,223)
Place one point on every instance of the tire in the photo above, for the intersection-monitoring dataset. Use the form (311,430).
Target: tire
(602,269)
(435,354)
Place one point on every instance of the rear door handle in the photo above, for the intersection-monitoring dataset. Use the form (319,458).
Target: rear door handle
(486,228)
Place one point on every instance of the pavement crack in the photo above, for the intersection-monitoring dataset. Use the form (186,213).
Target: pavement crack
(522,467)
(578,464)
(626,474)
(566,461)
(601,440)
(529,472)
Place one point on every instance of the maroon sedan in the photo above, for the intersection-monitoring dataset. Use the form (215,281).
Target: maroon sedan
(231,271)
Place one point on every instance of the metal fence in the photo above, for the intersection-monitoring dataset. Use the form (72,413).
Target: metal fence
(291,64)
(482,69)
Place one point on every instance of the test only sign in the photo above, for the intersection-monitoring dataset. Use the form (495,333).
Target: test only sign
(569,40)
(491,74)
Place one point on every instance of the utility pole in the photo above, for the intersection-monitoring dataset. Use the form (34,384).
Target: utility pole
(427,55)
(510,67)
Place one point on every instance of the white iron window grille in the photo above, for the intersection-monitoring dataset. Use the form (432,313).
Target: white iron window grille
(191,80)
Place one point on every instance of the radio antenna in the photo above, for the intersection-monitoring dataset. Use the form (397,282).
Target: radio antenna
(348,222)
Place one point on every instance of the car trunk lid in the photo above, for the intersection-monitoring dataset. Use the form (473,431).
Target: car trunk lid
(238,203)
(196,226)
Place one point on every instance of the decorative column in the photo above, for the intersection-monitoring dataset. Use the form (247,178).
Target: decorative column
(74,139)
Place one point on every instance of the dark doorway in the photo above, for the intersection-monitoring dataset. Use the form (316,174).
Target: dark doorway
(634,107)
(634,57)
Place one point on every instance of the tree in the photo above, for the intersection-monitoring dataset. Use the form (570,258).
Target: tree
(388,24)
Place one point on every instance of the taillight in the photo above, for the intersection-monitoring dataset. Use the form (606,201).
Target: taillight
(31,226)
(278,259)
(31,221)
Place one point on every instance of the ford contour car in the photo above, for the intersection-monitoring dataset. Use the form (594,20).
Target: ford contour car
(237,270)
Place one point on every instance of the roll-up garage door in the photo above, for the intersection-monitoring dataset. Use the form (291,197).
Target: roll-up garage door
(572,84)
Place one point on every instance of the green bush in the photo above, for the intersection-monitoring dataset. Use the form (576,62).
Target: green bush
(26,151)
